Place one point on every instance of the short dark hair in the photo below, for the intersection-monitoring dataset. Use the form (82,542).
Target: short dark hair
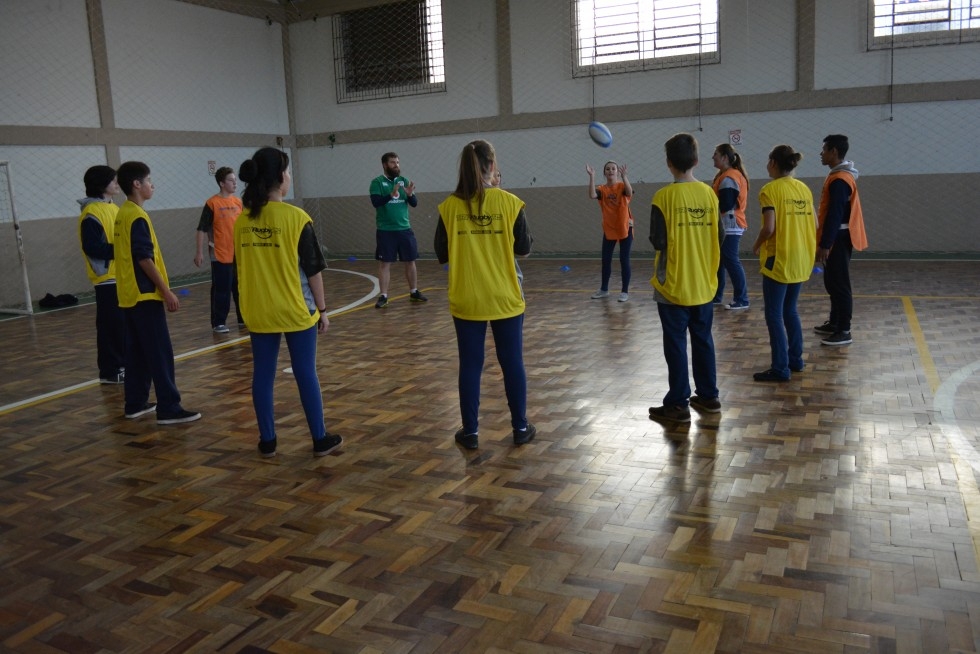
(129,172)
(221,173)
(837,142)
(388,156)
(97,180)
(682,151)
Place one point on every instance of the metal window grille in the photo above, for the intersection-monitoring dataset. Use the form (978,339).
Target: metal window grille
(613,36)
(923,22)
(389,51)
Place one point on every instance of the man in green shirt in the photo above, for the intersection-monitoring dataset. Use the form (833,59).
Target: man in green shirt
(391,196)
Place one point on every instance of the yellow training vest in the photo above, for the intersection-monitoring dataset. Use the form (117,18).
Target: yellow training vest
(690,276)
(270,285)
(105,213)
(483,282)
(794,243)
(126,286)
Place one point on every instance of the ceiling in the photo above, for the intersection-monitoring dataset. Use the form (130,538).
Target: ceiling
(288,11)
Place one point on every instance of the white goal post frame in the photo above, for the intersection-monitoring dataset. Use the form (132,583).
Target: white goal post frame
(29,306)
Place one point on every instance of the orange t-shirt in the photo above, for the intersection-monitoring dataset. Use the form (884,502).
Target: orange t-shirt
(616,216)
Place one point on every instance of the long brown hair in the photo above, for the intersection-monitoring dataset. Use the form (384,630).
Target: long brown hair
(734,158)
(475,164)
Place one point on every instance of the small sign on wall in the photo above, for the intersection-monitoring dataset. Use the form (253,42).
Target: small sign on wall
(735,137)
(212,167)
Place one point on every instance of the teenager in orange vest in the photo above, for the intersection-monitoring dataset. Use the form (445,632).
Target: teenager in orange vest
(840,230)
(731,184)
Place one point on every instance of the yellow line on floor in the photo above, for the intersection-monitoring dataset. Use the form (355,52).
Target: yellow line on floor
(966,480)
(928,365)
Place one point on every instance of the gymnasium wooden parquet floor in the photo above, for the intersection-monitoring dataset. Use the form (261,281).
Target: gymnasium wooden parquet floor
(837,513)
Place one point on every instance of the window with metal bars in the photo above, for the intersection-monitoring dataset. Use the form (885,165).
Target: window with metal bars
(388,51)
(613,36)
(906,23)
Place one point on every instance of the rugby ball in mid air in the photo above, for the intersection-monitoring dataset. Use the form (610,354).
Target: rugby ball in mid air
(600,134)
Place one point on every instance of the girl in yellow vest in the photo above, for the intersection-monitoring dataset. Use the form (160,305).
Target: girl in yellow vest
(280,284)
(480,229)
(786,245)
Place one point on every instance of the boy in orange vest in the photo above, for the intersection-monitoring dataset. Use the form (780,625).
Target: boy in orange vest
(840,230)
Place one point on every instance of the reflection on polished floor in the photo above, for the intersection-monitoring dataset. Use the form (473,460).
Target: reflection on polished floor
(839,512)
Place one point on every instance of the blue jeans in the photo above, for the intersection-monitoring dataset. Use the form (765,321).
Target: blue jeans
(508,336)
(625,245)
(302,357)
(733,265)
(677,322)
(783,321)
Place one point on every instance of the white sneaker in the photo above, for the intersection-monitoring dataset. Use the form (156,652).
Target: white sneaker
(600,294)
(221,329)
(624,297)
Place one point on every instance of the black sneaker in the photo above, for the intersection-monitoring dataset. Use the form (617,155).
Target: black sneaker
(148,407)
(837,338)
(526,436)
(670,414)
(469,441)
(770,376)
(382,302)
(177,417)
(705,405)
(418,297)
(267,449)
(327,444)
(118,378)
(826,328)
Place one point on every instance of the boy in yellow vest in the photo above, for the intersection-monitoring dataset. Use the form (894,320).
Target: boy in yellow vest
(96,232)
(145,297)
(686,233)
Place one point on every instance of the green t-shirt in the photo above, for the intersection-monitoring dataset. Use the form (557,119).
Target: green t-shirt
(392,216)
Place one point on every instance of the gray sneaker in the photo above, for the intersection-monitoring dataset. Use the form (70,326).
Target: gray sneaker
(178,417)
(837,338)
(148,407)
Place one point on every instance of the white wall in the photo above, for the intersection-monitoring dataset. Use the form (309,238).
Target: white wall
(842,59)
(47,73)
(542,62)
(176,66)
(470,53)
